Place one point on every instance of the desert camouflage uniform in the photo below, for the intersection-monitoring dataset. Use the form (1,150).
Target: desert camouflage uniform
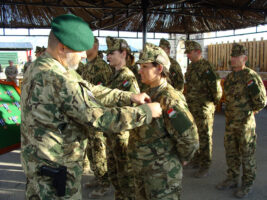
(57,108)
(244,95)
(119,168)
(97,72)
(203,92)
(158,150)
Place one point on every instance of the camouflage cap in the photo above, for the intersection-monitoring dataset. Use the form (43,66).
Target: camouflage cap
(73,32)
(238,50)
(38,49)
(153,53)
(164,43)
(191,45)
(117,44)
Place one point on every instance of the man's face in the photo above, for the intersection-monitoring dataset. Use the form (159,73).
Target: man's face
(73,58)
(167,50)
(193,55)
(92,53)
(115,58)
(11,63)
(238,61)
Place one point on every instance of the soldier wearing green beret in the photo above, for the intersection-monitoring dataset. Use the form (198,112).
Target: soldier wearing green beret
(175,73)
(58,107)
(97,72)
(203,92)
(159,150)
(245,95)
(120,173)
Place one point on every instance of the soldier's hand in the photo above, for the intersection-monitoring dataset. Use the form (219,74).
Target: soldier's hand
(155,109)
(141,98)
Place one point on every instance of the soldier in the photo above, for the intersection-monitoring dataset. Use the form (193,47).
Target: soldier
(119,57)
(176,75)
(27,64)
(203,92)
(159,150)
(245,96)
(11,72)
(97,72)
(58,107)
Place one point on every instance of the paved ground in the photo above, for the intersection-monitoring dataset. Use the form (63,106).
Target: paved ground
(12,179)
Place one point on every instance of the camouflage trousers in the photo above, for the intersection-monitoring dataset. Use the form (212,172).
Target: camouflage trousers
(96,152)
(158,179)
(119,168)
(204,117)
(240,148)
(41,187)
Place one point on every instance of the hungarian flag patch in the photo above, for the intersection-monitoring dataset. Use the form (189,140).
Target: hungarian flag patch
(250,83)
(125,83)
(99,83)
(171,112)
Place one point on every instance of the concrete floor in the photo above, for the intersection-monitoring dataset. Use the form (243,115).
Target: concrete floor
(12,179)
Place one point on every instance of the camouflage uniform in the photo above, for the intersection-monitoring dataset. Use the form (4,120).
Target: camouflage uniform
(11,73)
(57,108)
(203,92)
(119,168)
(244,95)
(158,150)
(27,64)
(97,72)
(176,75)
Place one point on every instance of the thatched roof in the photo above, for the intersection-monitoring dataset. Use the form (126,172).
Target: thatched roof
(180,16)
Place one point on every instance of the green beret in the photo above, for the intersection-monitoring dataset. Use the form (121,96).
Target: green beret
(117,44)
(73,32)
(164,43)
(153,53)
(191,45)
(238,50)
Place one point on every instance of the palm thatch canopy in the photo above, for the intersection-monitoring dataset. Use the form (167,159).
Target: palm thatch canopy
(169,16)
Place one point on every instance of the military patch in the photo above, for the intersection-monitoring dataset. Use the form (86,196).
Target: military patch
(125,83)
(179,120)
(253,88)
(250,83)
(99,83)
(171,113)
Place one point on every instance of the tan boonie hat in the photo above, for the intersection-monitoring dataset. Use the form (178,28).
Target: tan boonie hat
(191,45)
(164,43)
(238,50)
(117,44)
(153,53)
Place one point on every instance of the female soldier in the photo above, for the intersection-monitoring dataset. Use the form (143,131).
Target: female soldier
(119,56)
(158,150)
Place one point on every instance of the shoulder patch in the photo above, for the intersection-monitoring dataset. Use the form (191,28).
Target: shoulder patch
(179,120)
(253,88)
(125,83)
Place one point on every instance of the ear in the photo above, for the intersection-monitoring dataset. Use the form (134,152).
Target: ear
(60,48)
(160,68)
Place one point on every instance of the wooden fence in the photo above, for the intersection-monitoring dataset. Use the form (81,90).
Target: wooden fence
(219,54)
